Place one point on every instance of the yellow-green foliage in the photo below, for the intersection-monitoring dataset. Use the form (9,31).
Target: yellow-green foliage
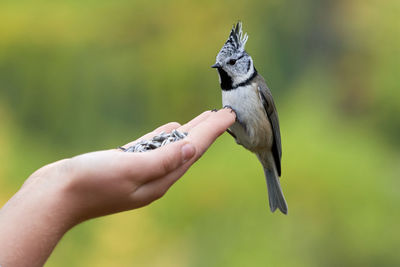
(70,70)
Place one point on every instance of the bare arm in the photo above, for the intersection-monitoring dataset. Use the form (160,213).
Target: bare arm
(62,194)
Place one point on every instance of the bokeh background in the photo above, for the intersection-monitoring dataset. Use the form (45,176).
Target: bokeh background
(78,76)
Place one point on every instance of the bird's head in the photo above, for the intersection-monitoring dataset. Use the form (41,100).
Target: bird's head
(232,60)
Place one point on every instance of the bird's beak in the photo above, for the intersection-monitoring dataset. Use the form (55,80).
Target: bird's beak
(216,66)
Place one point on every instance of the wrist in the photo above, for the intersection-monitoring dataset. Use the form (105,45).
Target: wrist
(49,194)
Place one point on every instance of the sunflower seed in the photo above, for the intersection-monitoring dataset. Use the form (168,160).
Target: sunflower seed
(157,141)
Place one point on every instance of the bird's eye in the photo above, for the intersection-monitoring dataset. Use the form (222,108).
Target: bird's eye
(232,62)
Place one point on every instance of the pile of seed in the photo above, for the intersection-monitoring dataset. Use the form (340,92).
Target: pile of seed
(157,141)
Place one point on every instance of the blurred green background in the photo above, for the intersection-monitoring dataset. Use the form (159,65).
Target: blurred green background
(78,76)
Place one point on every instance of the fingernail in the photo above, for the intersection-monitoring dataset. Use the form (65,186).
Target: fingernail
(188,151)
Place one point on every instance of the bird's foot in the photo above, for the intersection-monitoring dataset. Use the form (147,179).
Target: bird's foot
(232,110)
(230,107)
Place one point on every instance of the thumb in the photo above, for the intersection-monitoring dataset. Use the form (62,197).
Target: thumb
(161,161)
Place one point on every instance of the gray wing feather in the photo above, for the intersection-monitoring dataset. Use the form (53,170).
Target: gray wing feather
(269,106)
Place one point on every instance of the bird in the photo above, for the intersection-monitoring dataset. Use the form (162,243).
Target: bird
(256,127)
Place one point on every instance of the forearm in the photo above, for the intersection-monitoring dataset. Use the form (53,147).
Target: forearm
(31,224)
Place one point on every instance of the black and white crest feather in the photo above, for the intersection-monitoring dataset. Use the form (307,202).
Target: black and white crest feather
(235,44)
(236,38)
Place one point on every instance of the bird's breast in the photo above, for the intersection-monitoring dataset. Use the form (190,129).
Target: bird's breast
(252,129)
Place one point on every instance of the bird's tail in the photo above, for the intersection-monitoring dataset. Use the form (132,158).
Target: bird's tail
(275,194)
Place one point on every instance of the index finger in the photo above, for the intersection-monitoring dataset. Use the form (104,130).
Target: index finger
(205,133)
(171,126)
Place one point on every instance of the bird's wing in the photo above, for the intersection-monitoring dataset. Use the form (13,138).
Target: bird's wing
(269,106)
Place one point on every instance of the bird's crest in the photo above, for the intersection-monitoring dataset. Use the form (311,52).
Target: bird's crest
(236,38)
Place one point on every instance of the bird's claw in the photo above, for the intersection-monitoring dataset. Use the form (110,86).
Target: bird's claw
(232,110)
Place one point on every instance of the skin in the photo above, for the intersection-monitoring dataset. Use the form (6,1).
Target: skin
(65,193)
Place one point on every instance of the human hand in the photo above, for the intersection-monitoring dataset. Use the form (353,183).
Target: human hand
(65,193)
(105,182)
